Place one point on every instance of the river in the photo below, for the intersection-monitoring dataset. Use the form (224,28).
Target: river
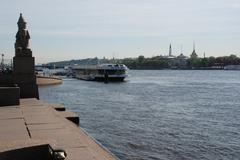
(159,115)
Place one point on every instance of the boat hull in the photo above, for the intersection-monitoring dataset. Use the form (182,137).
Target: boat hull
(110,79)
(102,79)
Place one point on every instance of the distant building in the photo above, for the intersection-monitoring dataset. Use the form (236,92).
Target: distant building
(181,61)
(194,54)
(169,56)
(181,56)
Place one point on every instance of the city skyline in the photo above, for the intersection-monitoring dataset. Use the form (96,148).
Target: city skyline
(63,30)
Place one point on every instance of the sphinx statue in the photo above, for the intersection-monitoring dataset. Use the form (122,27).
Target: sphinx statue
(24,75)
(22,39)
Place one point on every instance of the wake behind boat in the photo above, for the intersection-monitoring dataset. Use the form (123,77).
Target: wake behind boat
(102,72)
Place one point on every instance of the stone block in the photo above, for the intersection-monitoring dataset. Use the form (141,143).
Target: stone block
(28,91)
(9,96)
(81,154)
(70,116)
(41,152)
(23,65)
(24,79)
(13,129)
(31,102)
(6,79)
(10,112)
(41,119)
(45,126)
(58,107)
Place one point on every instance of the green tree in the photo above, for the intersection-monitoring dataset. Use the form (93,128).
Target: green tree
(141,58)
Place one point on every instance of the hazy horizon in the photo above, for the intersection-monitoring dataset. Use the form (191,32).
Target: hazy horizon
(75,29)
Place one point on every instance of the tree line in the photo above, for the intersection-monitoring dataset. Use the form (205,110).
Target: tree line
(191,63)
(157,62)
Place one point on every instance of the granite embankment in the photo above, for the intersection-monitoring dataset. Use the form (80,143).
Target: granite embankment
(29,129)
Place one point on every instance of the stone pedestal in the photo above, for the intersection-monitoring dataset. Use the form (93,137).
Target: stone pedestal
(24,76)
(23,65)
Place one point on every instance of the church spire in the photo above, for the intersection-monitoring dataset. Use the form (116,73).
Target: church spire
(170,50)
(194,54)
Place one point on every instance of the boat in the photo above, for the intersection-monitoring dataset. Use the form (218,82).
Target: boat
(102,72)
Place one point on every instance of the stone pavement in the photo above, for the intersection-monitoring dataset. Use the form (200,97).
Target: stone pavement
(34,122)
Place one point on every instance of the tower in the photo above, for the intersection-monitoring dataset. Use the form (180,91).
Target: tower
(24,63)
(194,54)
(170,50)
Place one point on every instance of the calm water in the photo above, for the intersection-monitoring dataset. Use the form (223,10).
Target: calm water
(166,115)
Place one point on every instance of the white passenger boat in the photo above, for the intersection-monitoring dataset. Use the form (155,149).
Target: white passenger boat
(102,72)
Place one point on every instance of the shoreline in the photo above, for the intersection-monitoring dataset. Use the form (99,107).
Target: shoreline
(45,81)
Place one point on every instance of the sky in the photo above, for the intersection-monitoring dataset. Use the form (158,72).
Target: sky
(77,29)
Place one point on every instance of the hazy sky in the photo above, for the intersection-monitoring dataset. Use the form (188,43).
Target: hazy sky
(75,29)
